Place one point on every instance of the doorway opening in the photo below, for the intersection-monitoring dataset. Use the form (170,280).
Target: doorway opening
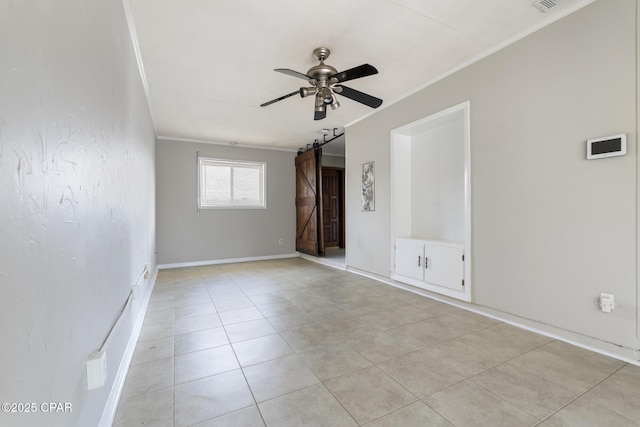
(320,209)
(333,218)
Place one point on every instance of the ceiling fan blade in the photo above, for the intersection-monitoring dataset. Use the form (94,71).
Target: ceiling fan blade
(360,97)
(363,70)
(280,99)
(293,73)
(319,115)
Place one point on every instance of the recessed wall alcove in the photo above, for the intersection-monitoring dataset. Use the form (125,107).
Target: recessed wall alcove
(431,209)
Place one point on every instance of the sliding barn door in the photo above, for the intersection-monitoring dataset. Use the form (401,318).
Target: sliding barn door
(309,237)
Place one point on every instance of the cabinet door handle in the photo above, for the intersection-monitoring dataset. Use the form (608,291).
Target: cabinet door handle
(426,262)
(419,260)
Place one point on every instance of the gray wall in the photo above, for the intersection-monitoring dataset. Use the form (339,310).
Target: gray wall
(77,207)
(332,161)
(550,230)
(221,234)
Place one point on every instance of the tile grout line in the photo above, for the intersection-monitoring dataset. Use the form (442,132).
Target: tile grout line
(297,354)
(313,289)
(173,327)
(244,375)
(581,395)
(471,378)
(337,400)
(372,364)
(279,333)
(232,349)
(173,338)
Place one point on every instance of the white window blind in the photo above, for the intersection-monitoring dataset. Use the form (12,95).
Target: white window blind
(230,184)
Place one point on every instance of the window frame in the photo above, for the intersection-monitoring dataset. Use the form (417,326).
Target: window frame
(260,166)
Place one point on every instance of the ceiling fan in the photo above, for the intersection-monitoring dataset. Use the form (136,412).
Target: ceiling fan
(326,82)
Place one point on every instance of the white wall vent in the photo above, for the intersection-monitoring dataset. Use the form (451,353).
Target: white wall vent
(547,5)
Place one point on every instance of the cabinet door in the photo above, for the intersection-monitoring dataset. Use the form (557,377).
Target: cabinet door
(444,266)
(410,258)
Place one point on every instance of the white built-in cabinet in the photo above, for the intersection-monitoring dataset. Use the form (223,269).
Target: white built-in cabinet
(430,264)
(431,213)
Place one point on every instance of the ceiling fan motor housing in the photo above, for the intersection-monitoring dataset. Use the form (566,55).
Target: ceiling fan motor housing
(321,73)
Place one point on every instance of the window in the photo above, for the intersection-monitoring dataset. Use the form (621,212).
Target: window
(231,184)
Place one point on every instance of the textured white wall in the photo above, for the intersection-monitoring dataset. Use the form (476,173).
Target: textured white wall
(550,229)
(220,234)
(77,188)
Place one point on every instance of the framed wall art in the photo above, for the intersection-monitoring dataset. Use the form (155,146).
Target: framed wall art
(368,201)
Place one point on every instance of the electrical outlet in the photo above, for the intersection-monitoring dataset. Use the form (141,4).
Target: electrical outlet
(607,302)
(96,370)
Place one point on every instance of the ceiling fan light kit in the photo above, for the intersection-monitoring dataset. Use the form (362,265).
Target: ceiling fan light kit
(324,80)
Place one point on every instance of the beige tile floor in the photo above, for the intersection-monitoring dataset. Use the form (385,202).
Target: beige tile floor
(294,343)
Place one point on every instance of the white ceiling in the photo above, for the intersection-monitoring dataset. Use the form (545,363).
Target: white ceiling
(208,64)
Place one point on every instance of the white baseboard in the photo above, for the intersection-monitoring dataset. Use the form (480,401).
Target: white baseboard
(624,354)
(225,261)
(323,261)
(111,407)
(628,355)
